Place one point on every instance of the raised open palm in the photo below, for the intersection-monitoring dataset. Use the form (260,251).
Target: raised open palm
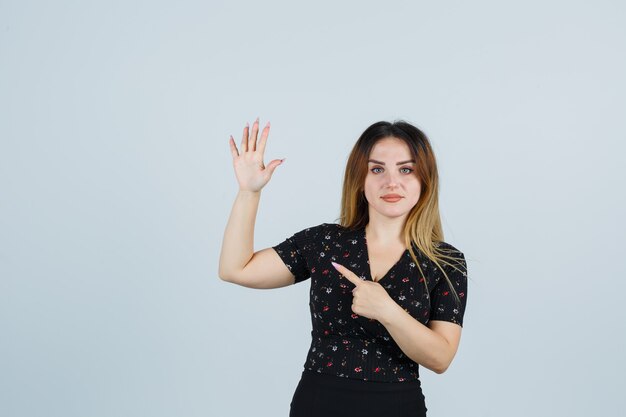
(251,172)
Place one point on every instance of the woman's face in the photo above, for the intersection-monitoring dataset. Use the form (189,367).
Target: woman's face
(391,185)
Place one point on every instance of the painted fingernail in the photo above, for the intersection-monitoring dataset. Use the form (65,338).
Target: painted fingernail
(335,265)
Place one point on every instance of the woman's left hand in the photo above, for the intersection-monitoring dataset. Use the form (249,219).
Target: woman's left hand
(369,298)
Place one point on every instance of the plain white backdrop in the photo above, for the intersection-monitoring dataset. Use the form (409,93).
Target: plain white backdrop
(116,183)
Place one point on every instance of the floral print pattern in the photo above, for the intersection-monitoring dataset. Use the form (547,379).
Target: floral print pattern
(346,344)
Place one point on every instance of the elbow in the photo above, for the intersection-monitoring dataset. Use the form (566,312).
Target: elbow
(440,366)
(439,369)
(232,277)
(224,275)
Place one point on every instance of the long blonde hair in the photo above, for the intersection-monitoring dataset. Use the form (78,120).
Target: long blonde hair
(422,228)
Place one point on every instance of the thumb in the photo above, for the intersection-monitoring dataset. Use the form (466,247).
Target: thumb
(272,165)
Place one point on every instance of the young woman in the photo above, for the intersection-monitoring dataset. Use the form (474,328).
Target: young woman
(387,293)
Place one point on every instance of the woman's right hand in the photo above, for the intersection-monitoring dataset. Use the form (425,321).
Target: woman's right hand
(251,173)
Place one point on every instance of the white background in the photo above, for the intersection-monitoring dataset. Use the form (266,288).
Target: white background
(116,184)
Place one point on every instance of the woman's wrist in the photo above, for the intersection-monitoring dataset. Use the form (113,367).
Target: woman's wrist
(391,312)
(252,193)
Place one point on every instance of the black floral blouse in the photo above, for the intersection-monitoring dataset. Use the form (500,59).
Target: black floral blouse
(344,343)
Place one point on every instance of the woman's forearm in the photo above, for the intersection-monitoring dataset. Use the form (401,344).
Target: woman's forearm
(238,242)
(417,341)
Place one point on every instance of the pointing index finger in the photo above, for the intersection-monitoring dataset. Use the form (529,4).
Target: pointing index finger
(349,275)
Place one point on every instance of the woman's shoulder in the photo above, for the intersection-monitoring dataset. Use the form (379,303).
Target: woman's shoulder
(440,248)
(454,259)
(447,248)
(325,229)
(311,237)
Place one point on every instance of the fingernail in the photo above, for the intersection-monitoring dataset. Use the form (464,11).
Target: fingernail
(257,120)
(247,125)
(335,265)
(282,160)
(268,124)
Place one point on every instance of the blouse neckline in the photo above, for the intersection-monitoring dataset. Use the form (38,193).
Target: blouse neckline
(367,255)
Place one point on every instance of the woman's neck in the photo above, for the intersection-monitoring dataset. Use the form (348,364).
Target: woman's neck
(385,231)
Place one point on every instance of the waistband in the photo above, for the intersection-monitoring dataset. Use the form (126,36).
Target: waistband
(339,382)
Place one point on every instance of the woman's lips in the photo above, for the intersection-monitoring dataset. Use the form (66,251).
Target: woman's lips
(392,198)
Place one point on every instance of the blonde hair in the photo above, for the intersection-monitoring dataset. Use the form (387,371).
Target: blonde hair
(422,228)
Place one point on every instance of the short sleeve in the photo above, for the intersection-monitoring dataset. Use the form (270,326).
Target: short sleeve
(296,251)
(444,305)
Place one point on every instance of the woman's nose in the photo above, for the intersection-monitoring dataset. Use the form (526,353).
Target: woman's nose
(391,179)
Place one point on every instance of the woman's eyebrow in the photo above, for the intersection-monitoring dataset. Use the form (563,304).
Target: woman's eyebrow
(398,163)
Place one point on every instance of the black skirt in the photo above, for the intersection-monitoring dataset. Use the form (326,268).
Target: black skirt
(328,395)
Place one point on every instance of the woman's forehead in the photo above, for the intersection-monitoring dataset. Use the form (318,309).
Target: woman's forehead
(390,148)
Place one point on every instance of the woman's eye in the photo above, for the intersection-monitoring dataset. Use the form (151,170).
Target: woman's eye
(377,170)
(406,170)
